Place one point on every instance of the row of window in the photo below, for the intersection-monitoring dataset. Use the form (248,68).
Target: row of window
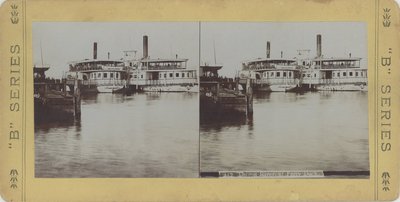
(341,74)
(171,75)
(277,74)
(350,74)
(104,75)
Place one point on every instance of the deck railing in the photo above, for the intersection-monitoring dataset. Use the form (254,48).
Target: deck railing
(339,66)
(163,81)
(290,81)
(334,80)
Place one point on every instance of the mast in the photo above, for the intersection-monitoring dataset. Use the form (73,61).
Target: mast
(41,52)
(215,55)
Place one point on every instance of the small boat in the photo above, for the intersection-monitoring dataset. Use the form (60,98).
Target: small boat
(282,88)
(109,89)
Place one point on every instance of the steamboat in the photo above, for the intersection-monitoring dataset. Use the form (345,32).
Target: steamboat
(125,75)
(333,74)
(98,76)
(305,74)
(272,74)
(162,75)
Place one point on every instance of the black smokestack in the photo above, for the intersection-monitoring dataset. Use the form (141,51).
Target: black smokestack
(319,46)
(145,47)
(95,50)
(268,49)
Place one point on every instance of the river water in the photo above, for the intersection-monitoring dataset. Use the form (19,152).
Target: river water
(142,135)
(157,135)
(312,131)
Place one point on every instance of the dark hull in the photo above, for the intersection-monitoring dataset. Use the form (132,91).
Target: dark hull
(53,110)
(233,108)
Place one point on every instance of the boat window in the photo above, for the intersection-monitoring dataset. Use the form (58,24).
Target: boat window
(350,73)
(284,74)
(171,75)
(176,75)
(104,75)
(278,74)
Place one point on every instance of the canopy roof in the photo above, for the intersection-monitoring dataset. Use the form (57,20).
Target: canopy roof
(207,67)
(337,59)
(270,60)
(158,60)
(95,61)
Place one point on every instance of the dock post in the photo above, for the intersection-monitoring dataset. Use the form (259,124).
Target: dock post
(77,100)
(64,86)
(249,96)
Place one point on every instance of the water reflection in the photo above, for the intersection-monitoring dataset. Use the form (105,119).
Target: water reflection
(141,135)
(291,131)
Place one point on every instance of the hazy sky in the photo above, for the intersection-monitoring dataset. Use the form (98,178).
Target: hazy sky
(63,42)
(240,41)
(235,42)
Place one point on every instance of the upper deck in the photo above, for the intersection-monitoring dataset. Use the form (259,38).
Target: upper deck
(163,64)
(268,63)
(96,65)
(335,63)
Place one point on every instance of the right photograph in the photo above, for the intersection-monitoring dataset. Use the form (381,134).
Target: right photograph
(283,100)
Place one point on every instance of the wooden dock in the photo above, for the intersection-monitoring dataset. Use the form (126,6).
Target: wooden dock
(54,100)
(223,99)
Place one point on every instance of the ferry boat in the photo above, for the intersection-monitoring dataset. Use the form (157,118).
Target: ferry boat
(98,76)
(272,75)
(162,75)
(333,74)
(102,76)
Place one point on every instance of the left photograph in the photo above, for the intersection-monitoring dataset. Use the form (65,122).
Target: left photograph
(116,100)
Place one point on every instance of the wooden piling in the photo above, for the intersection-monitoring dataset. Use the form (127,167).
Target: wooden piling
(77,100)
(249,97)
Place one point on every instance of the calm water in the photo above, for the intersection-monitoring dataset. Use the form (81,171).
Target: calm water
(142,135)
(319,131)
